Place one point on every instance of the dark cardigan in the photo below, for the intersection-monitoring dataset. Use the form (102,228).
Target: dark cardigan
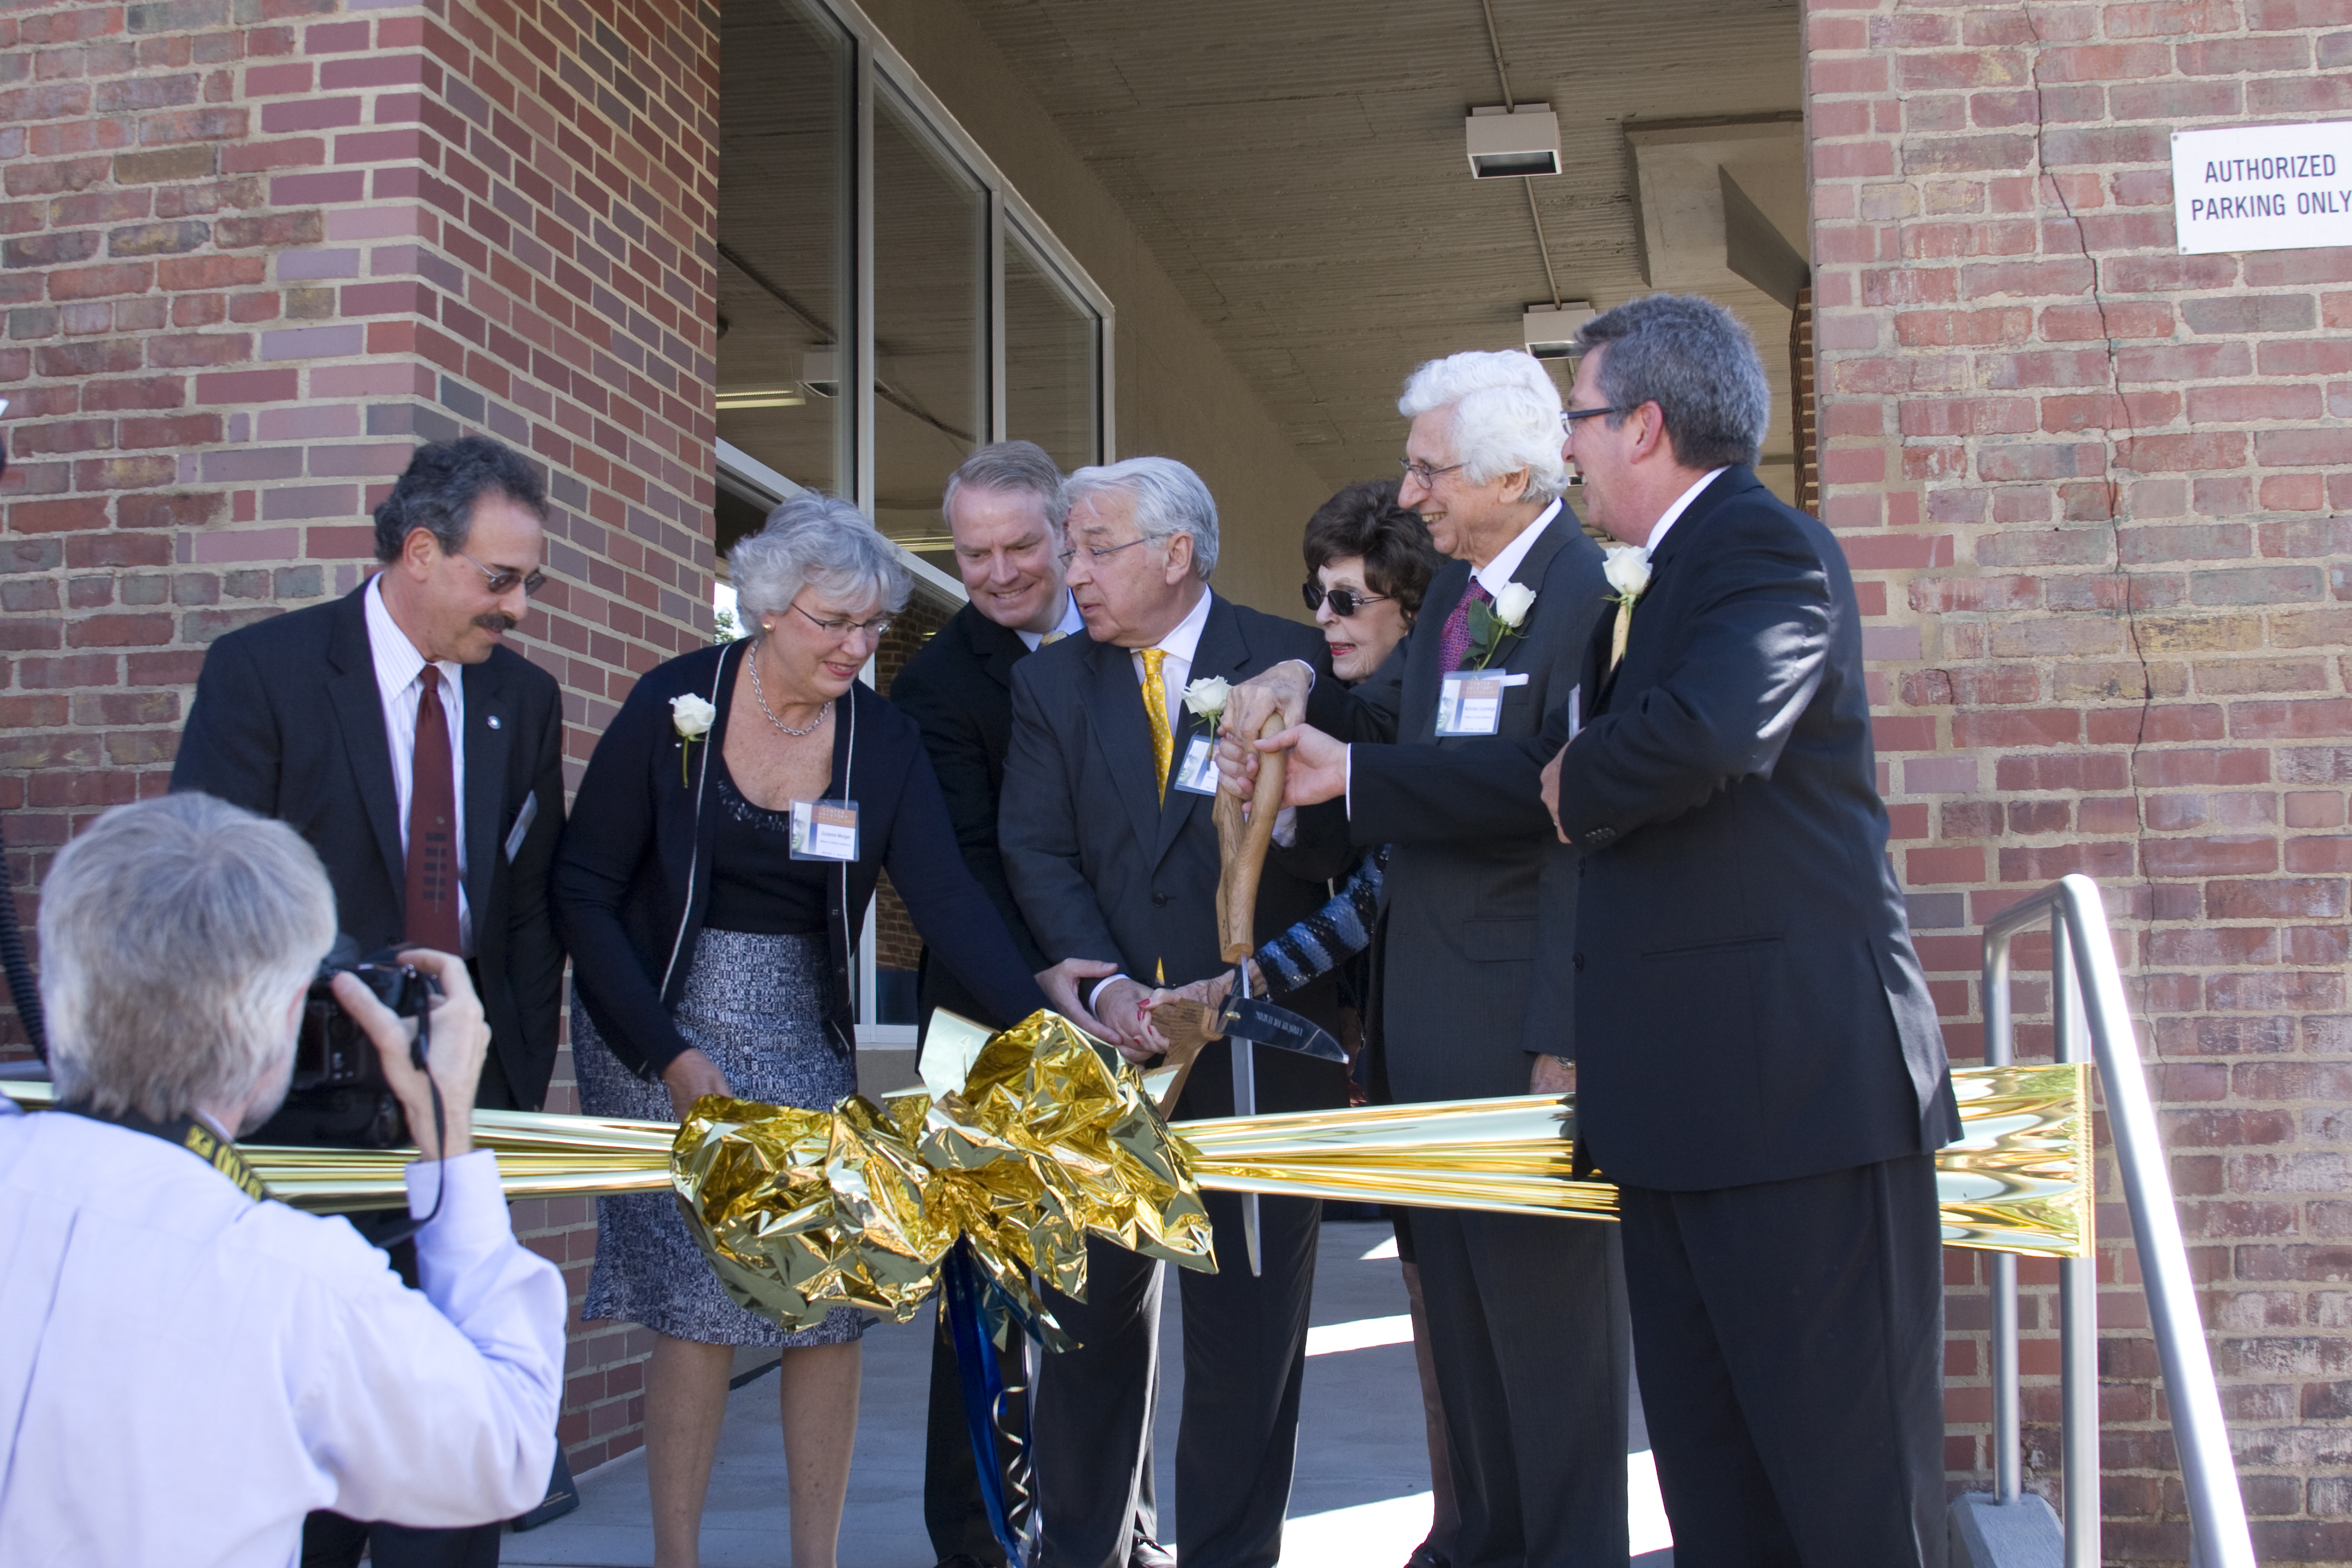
(632,875)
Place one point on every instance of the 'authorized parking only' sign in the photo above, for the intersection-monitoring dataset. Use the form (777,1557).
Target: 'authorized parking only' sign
(2262,187)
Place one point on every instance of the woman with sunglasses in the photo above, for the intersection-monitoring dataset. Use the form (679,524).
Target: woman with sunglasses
(724,847)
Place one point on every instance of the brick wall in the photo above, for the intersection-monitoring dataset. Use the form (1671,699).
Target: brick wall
(251,253)
(2092,489)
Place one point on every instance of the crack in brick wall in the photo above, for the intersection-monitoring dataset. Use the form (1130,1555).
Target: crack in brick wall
(2093,491)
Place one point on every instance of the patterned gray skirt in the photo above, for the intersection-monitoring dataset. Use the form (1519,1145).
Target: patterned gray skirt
(755,1005)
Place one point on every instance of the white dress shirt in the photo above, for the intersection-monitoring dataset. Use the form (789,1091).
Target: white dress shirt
(1071,621)
(1681,505)
(185,1373)
(1176,670)
(1506,563)
(397,666)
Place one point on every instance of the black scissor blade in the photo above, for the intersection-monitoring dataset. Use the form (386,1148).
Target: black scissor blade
(1264,1024)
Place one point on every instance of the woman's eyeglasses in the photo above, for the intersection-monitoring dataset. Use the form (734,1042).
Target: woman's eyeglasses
(1344,602)
(840,630)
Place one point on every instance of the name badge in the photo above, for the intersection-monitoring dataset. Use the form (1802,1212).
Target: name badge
(1197,774)
(825,830)
(1575,712)
(1470,701)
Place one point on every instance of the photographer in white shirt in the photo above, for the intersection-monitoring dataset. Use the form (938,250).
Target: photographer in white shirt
(186,1369)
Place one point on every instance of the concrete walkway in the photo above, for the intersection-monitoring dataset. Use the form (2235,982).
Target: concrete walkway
(1360,1500)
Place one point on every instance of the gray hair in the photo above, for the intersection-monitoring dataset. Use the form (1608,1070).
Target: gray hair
(1169,499)
(1693,359)
(439,489)
(1506,417)
(1020,467)
(174,934)
(815,541)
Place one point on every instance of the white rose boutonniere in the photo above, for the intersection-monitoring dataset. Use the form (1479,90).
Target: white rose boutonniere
(1627,568)
(1491,622)
(1512,605)
(1207,697)
(692,717)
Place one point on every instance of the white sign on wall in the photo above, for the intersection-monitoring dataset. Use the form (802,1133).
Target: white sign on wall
(2262,187)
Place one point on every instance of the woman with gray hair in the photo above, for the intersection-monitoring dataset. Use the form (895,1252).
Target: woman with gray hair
(724,847)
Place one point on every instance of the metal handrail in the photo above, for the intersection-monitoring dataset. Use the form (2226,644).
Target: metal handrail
(2089,1009)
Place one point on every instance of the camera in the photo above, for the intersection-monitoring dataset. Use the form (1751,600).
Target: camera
(339,1097)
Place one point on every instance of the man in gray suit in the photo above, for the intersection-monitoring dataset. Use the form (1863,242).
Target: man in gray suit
(1527,1315)
(1112,856)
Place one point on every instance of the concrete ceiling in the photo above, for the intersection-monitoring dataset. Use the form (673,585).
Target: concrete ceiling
(1299,170)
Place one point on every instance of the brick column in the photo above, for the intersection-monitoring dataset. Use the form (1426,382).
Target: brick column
(252,253)
(2093,487)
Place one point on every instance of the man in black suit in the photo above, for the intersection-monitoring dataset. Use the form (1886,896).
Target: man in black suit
(1004,507)
(1760,1066)
(423,761)
(1527,1315)
(1112,856)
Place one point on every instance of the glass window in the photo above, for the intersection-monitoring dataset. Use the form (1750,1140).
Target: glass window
(788,82)
(930,322)
(1053,392)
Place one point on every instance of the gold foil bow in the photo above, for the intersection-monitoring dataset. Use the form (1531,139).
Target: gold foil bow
(1047,1145)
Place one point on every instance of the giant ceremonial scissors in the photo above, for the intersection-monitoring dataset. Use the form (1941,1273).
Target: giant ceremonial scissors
(1246,1021)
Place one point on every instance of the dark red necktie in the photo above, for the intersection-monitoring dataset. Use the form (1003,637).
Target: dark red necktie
(433,826)
(1453,637)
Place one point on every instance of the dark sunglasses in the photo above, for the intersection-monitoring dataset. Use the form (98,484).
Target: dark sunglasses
(1345,602)
(501,581)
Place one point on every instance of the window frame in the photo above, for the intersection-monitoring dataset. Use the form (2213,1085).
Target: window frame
(878,68)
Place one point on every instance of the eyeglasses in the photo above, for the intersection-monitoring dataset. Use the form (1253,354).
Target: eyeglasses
(1095,553)
(841,629)
(1424,473)
(502,581)
(1344,602)
(1570,417)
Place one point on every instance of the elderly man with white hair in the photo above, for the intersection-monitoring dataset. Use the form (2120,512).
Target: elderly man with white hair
(187,1367)
(1527,1316)
(1110,842)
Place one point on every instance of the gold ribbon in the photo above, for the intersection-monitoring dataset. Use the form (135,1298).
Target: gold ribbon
(1050,1143)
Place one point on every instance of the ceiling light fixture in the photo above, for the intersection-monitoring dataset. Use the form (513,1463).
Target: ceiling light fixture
(821,372)
(1507,142)
(1549,331)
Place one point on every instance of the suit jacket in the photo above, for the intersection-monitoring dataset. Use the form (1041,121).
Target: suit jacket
(1104,868)
(287,722)
(958,689)
(1468,991)
(633,875)
(1749,1007)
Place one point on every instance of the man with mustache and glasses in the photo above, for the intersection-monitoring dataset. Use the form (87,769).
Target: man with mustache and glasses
(422,760)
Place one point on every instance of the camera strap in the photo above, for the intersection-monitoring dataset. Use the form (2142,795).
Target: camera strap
(186,1133)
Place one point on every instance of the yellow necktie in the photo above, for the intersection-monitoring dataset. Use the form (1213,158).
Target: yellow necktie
(1155,707)
(1050,638)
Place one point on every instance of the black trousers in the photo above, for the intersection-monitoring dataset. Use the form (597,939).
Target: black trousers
(1245,1361)
(1791,1342)
(952,1510)
(1527,1332)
